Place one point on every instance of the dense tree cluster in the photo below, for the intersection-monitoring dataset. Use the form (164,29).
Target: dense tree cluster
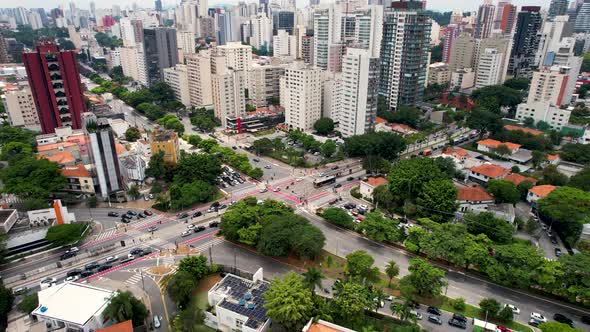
(324,126)
(124,306)
(105,40)
(204,119)
(61,235)
(382,144)
(568,208)
(26,35)
(576,153)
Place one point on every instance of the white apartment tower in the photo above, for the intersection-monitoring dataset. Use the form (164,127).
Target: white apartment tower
(229,97)
(199,79)
(359,90)
(21,109)
(368,28)
(301,95)
(237,57)
(265,84)
(327,31)
(489,68)
(186,42)
(284,45)
(261,27)
(177,78)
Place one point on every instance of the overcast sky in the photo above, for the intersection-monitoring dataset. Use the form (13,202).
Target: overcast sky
(441,5)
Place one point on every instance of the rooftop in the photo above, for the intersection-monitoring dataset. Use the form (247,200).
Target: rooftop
(162,135)
(517,178)
(524,129)
(542,190)
(63,157)
(490,170)
(244,297)
(376,182)
(125,326)
(5,214)
(492,143)
(456,152)
(552,157)
(53,146)
(72,302)
(473,194)
(323,326)
(77,171)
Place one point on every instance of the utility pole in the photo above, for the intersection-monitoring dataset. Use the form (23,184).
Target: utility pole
(142,284)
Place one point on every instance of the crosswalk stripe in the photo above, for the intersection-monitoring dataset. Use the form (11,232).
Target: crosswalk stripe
(205,246)
(106,234)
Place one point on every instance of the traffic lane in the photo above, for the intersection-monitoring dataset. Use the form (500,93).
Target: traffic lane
(271,169)
(101,214)
(471,288)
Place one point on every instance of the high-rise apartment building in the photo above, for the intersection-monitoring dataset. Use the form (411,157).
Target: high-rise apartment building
(284,45)
(525,41)
(133,63)
(229,95)
(557,8)
(261,29)
(438,73)
(265,84)
(55,83)
(131,31)
(549,85)
(21,110)
(450,35)
(237,57)
(551,36)
(301,95)
(501,44)
(404,53)
(3,50)
(358,92)
(489,67)
(368,28)
(161,51)
(484,20)
(508,18)
(307,49)
(177,79)
(283,20)
(326,32)
(583,18)
(186,42)
(199,79)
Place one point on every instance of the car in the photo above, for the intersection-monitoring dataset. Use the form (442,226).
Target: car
(334,167)
(67,255)
(190,226)
(389,298)
(91,266)
(416,314)
(435,319)
(73,272)
(563,319)
(276,189)
(146,197)
(186,233)
(501,328)
(125,220)
(338,185)
(534,322)
(146,251)
(141,215)
(553,240)
(585,319)
(268,167)
(515,309)
(215,204)
(363,207)
(131,213)
(20,290)
(73,249)
(48,282)
(136,251)
(434,311)
(182,215)
(221,207)
(350,178)
(349,206)
(104,267)
(539,317)
(152,228)
(199,228)
(457,323)
(263,190)
(72,278)
(157,320)
(112,214)
(234,147)
(151,196)
(557,252)
(232,203)
(334,201)
(111,259)
(197,214)
(460,317)
(214,224)
(148,212)
(255,160)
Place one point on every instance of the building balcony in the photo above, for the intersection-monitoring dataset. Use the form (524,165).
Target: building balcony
(53,67)
(55,76)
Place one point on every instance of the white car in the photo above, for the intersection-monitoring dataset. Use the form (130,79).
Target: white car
(416,314)
(363,207)
(389,298)
(186,233)
(73,249)
(111,259)
(277,189)
(157,320)
(48,282)
(515,310)
(539,317)
(73,278)
(190,226)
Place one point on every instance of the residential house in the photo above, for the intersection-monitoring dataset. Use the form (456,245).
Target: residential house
(538,192)
(323,326)
(79,180)
(486,172)
(517,178)
(63,158)
(460,155)
(472,199)
(402,129)
(133,168)
(553,159)
(490,145)
(367,187)
(533,132)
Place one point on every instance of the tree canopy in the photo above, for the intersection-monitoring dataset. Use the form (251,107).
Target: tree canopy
(426,279)
(383,144)
(124,306)
(324,126)
(496,229)
(569,208)
(576,153)
(503,191)
(288,302)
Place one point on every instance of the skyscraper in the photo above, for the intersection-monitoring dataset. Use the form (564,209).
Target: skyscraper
(54,79)
(158,5)
(301,95)
(451,34)
(283,20)
(484,20)
(404,53)
(507,18)
(525,41)
(557,8)
(199,79)
(3,50)
(583,18)
(161,51)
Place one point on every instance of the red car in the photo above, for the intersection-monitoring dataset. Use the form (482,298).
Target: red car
(503,328)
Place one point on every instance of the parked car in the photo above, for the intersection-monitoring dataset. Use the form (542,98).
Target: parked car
(255,160)
(435,319)
(135,252)
(152,228)
(113,214)
(515,309)
(268,167)
(73,249)
(48,282)
(157,320)
(563,319)
(72,278)
(416,314)
(338,185)
(460,317)
(91,266)
(553,240)
(539,317)
(67,255)
(190,226)
(182,215)
(141,215)
(111,259)
(457,323)
(534,322)
(186,233)
(197,214)
(104,267)
(263,190)
(221,207)
(585,319)
(148,212)
(557,252)
(214,224)
(199,228)
(434,311)
(131,213)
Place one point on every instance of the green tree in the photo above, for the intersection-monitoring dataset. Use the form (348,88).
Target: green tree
(557,327)
(505,315)
(324,126)
(378,228)
(15,151)
(32,177)
(408,177)
(359,266)
(486,223)
(124,306)
(15,134)
(196,266)
(156,166)
(133,191)
(338,217)
(6,301)
(402,310)
(312,278)
(392,270)
(197,166)
(426,279)
(576,153)
(180,287)
(438,199)
(585,66)
(569,209)
(495,96)
(538,158)
(132,134)
(256,173)
(383,144)
(484,120)
(288,302)
(189,319)
(328,148)
(351,300)
(436,53)
(263,146)
(553,176)
(503,191)
(65,234)
(170,121)
(503,150)
(489,307)
(581,180)
(518,83)
(29,303)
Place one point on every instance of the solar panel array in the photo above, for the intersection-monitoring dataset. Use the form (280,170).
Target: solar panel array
(238,290)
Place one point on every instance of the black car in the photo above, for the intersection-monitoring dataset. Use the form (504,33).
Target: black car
(91,266)
(215,204)
(141,215)
(131,213)
(147,212)
(104,267)
(335,167)
(136,252)
(563,319)
(74,272)
(435,319)
(86,273)
(338,185)
(553,239)
(434,311)
(67,255)
(146,251)
(457,323)
(199,228)
(350,178)
(460,317)
(221,207)
(113,214)
(197,214)
(183,215)
(214,224)
(586,319)
(125,220)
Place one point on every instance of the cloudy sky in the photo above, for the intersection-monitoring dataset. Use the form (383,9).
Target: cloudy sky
(442,5)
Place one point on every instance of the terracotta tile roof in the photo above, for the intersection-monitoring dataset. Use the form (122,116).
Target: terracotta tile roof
(473,194)
(53,146)
(542,190)
(526,130)
(401,126)
(78,171)
(492,143)
(120,148)
(125,326)
(376,182)
(490,170)
(552,157)
(517,178)
(316,327)
(456,152)
(380,120)
(64,157)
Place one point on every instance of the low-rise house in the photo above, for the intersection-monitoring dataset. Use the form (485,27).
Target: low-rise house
(538,192)
(133,168)
(486,172)
(8,217)
(63,158)
(517,179)
(553,159)
(534,132)
(367,187)
(79,180)
(472,199)
(402,129)
(323,326)
(490,145)
(460,155)
(503,211)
